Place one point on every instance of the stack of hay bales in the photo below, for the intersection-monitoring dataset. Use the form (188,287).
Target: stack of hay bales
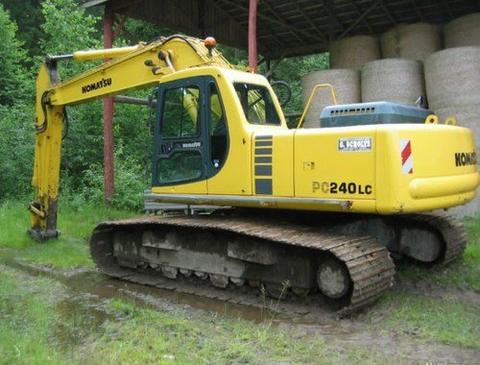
(453,88)
(393,79)
(453,82)
(453,85)
(354,52)
(398,77)
(463,31)
(412,41)
(347,56)
(347,86)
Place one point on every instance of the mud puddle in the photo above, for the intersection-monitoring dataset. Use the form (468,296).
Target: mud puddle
(96,287)
(84,309)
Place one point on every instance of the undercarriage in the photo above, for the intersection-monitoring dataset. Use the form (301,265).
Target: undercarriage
(346,258)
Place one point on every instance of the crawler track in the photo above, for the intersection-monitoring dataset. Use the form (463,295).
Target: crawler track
(369,265)
(366,258)
(449,228)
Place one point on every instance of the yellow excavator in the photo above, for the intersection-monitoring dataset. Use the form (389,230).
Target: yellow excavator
(298,210)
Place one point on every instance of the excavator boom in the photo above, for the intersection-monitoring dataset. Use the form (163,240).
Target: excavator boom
(134,67)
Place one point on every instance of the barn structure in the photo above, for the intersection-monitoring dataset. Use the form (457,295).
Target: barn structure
(269,29)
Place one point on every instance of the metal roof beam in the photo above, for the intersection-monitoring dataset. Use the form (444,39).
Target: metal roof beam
(91,3)
(331,13)
(269,19)
(367,24)
(307,18)
(449,10)
(306,49)
(360,18)
(389,14)
(417,10)
(285,23)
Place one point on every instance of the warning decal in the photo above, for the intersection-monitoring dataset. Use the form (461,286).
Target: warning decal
(407,158)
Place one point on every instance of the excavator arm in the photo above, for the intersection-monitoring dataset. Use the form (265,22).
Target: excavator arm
(130,68)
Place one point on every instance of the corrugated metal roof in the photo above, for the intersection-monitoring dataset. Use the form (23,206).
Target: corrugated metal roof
(287,27)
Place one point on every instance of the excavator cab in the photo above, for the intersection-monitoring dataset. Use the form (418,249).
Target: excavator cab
(191,132)
(198,116)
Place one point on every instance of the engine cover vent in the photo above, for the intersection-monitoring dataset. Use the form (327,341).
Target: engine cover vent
(380,112)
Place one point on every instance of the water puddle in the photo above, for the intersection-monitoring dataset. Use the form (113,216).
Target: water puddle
(84,310)
(89,287)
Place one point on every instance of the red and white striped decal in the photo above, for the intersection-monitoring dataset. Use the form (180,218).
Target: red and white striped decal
(407,158)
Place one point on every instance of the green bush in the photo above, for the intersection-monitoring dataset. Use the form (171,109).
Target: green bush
(13,77)
(16,150)
(130,182)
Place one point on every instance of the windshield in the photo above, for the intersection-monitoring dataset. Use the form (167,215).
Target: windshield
(257,104)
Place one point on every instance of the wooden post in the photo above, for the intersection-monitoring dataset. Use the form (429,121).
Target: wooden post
(252,35)
(108,109)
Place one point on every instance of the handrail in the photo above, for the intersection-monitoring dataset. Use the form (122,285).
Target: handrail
(307,106)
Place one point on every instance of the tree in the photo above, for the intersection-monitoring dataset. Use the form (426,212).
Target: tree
(13,75)
(27,14)
(68,28)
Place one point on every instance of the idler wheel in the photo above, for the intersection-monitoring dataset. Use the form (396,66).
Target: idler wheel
(333,279)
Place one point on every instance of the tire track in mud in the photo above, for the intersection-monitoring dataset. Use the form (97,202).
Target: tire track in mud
(90,290)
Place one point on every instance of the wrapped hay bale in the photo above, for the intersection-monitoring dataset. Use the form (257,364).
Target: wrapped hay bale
(392,79)
(453,88)
(467,116)
(354,52)
(411,41)
(347,87)
(463,31)
(452,77)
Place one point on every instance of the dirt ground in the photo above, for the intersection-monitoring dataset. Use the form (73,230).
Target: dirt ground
(55,308)
(86,290)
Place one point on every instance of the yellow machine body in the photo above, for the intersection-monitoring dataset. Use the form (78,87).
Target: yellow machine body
(382,169)
(309,170)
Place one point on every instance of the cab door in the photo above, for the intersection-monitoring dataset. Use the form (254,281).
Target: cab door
(180,152)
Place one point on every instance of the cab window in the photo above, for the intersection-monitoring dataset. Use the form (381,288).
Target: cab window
(180,112)
(257,104)
(217,128)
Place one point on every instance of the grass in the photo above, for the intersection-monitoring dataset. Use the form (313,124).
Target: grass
(26,319)
(443,320)
(34,327)
(75,221)
(150,336)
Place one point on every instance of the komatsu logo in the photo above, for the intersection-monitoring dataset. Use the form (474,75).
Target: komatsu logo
(465,158)
(191,144)
(97,85)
